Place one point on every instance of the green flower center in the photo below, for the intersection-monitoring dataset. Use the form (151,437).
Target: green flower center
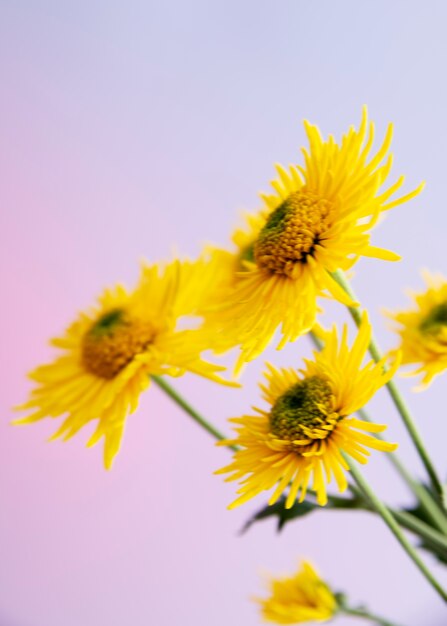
(305,411)
(291,232)
(112,342)
(435,320)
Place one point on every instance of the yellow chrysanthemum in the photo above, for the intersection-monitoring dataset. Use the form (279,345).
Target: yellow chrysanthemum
(301,598)
(423,330)
(109,352)
(319,221)
(300,439)
(219,270)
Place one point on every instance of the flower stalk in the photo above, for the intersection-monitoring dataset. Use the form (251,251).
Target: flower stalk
(178,399)
(371,617)
(434,540)
(394,527)
(415,525)
(399,402)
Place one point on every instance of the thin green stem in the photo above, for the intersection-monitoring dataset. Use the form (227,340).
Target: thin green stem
(178,399)
(394,527)
(393,458)
(367,615)
(426,500)
(407,520)
(399,402)
(410,522)
(420,528)
(316,340)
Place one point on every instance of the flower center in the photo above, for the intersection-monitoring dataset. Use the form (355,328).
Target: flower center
(435,320)
(112,343)
(291,232)
(305,411)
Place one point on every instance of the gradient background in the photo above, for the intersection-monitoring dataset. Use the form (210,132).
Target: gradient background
(132,129)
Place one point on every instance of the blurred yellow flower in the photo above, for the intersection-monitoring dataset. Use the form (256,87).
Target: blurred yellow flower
(308,426)
(109,353)
(297,599)
(318,221)
(423,330)
(219,270)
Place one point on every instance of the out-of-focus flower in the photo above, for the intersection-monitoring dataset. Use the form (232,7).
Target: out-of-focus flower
(110,351)
(423,330)
(299,441)
(219,270)
(318,221)
(297,599)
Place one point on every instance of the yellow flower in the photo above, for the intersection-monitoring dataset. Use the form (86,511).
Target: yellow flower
(318,221)
(109,353)
(304,597)
(423,330)
(219,271)
(308,426)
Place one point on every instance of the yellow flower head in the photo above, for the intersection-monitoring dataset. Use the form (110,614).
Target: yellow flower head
(300,439)
(301,598)
(423,330)
(109,352)
(219,271)
(318,221)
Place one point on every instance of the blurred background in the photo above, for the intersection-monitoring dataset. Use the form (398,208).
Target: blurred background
(137,129)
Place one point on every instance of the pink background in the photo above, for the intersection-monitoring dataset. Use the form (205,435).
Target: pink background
(137,128)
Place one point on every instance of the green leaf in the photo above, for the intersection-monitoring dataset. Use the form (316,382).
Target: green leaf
(279,511)
(300,509)
(419,511)
(436,550)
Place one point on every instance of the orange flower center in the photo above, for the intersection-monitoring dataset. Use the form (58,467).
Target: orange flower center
(113,341)
(292,232)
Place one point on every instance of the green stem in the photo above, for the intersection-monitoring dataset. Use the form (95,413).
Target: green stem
(389,520)
(316,340)
(393,458)
(435,540)
(407,520)
(367,615)
(178,399)
(420,528)
(397,398)
(426,500)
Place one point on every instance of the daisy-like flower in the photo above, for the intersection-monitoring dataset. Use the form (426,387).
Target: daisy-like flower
(220,271)
(297,599)
(423,330)
(318,221)
(110,351)
(298,442)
